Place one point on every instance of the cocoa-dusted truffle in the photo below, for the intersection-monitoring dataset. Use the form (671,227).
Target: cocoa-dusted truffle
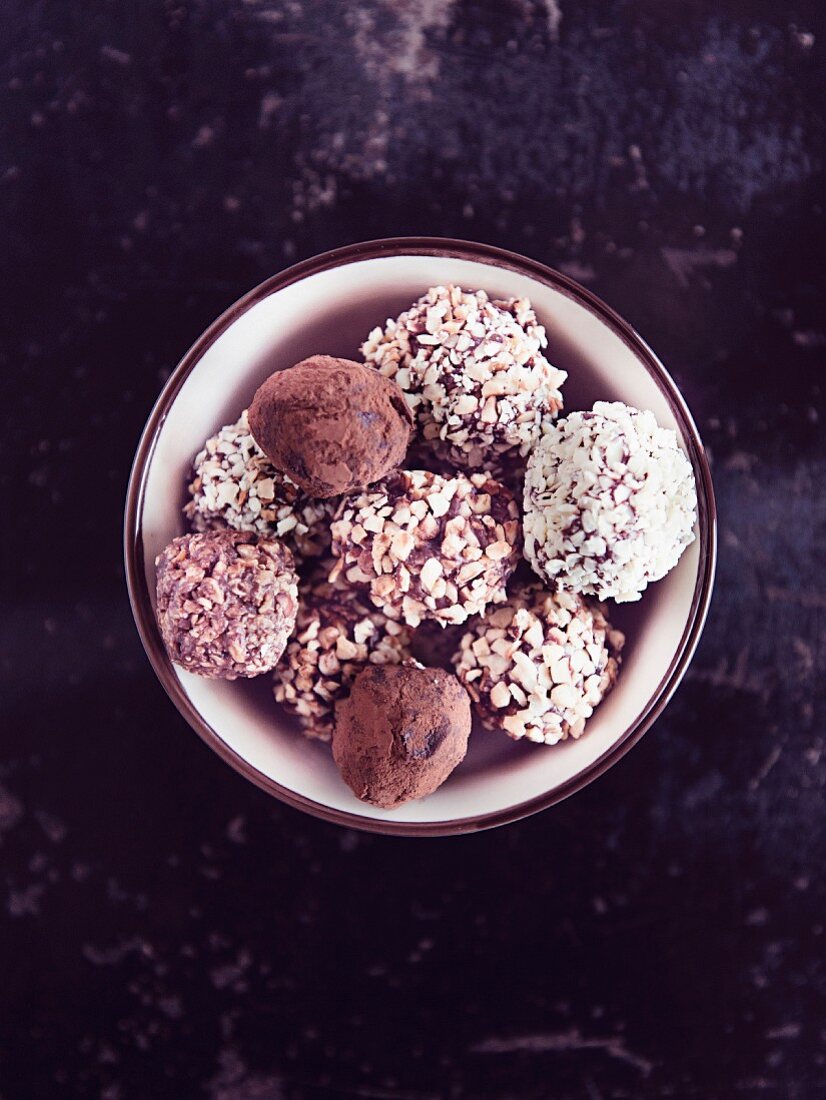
(429,546)
(235,485)
(338,632)
(330,424)
(226,602)
(538,666)
(400,733)
(610,502)
(473,370)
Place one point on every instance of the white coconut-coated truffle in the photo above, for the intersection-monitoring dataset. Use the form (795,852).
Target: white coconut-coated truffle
(610,502)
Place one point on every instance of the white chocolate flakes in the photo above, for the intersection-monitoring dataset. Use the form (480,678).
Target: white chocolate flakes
(538,666)
(610,502)
(473,371)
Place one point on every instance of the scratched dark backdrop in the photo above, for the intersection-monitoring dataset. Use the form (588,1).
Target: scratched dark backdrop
(166,930)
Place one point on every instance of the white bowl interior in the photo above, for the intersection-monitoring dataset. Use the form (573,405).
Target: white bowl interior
(332,311)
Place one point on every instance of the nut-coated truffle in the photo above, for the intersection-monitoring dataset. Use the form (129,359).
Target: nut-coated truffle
(401,732)
(474,371)
(235,485)
(331,425)
(226,602)
(337,633)
(538,666)
(429,547)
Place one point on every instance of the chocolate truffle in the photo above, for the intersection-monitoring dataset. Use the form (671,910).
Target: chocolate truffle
(330,424)
(337,634)
(235,485)
(226,602)
(538,667)
(400,733)
(610,502)
(428,546)
(473,370)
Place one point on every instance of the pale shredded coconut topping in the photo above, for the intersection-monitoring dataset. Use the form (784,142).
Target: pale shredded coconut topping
(429,547)
(472,370)
(235,485)
(538,667)
(338,632)
(610,502)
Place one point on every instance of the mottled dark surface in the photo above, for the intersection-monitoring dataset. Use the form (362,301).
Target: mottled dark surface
(168,930)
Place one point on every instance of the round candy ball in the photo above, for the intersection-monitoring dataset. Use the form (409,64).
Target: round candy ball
(474,371)
(330,424)
(429,547)
(226,602)
(235,485)
(610,502)
(538,666)
(400,733)
(338,632)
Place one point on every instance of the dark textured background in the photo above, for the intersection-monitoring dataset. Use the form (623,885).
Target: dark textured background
(166,929)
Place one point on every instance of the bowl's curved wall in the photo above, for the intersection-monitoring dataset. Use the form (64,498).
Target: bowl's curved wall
(331,309)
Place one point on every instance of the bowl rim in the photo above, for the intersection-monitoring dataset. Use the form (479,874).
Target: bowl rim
(140,599)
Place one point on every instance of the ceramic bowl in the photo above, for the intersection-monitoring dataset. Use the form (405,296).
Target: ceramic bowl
(329,304)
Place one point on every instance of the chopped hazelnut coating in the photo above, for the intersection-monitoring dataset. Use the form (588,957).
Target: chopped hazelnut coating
(538,666)
(226,602)
(429,547)
(235,485)
(337,634)
(472,370)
